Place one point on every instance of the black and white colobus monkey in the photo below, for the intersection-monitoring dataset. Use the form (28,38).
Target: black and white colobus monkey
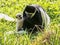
(33,16)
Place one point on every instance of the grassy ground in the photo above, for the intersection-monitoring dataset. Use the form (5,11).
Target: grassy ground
(50,36)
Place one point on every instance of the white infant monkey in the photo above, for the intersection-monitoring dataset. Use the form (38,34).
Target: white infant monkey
(19,21)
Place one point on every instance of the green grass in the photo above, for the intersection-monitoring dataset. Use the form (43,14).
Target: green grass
(50,36)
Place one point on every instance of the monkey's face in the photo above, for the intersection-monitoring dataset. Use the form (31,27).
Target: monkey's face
(19,16)
(30,11)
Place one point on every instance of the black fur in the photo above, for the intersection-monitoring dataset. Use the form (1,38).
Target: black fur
(30,23)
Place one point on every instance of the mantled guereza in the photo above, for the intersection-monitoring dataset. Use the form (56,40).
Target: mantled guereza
(34,17)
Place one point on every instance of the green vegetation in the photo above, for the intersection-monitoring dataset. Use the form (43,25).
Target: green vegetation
(12,7)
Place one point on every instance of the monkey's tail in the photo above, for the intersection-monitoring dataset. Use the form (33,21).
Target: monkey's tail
(6,17)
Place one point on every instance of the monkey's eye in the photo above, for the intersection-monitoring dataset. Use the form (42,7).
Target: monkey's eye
(19,15)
